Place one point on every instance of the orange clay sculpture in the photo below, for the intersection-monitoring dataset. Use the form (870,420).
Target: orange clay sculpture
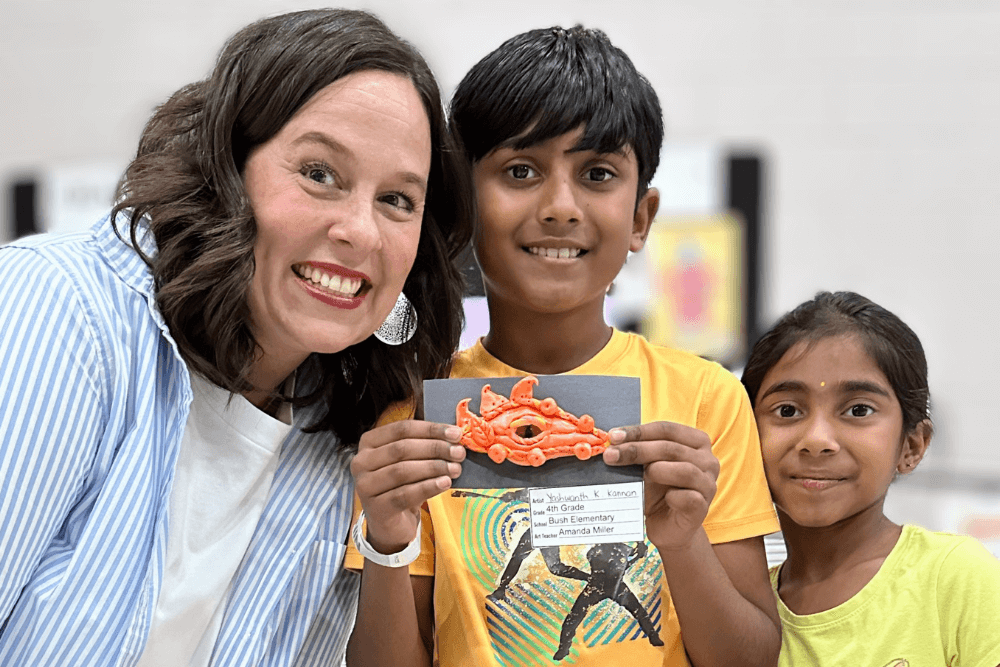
(525,430)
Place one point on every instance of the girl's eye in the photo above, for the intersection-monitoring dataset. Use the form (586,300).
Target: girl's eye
(861,410)
(399,200)
(787,411)
(599,175)
(521,172)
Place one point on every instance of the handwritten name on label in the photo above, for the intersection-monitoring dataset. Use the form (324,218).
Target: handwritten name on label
(586,515)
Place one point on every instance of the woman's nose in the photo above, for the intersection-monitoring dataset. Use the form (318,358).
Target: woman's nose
(355,225)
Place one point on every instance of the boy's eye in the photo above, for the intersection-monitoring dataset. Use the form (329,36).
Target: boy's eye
(599,175)
(521,171)
(861,410)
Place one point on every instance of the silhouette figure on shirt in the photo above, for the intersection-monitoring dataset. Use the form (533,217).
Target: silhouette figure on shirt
(608,565)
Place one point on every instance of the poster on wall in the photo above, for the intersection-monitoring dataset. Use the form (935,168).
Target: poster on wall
(697,282)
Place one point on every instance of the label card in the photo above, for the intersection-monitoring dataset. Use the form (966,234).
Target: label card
(593,514)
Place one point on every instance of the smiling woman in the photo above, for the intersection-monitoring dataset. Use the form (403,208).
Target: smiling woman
(186,384)
(310,120)
(339,193)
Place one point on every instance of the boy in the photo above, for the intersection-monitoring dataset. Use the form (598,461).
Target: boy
(564,136)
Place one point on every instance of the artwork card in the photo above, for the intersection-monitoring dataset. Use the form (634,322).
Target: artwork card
(610,401)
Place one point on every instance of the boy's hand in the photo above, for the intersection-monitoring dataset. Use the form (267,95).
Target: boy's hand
(680,471)
(399,466)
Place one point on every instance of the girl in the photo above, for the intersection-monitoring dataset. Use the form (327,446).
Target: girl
(839,390)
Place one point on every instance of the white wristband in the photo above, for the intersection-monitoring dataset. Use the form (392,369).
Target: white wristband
(400,559)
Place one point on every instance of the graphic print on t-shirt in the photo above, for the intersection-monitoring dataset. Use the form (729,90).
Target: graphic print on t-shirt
(547,605)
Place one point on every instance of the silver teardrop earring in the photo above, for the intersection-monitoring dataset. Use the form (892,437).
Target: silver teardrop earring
(400,324)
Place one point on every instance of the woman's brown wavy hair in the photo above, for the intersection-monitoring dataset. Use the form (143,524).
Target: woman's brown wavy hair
(185,184)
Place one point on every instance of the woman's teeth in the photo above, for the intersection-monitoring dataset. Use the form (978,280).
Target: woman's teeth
(555,253)
(334,283)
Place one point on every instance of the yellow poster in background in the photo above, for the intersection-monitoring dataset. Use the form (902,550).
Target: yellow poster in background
(697,279)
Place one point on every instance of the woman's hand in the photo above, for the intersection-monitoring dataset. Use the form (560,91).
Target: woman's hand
(397,468)
(680,472)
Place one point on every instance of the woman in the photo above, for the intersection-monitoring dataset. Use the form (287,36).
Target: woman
(184,385)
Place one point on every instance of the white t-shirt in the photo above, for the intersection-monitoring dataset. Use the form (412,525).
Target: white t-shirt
(225,467)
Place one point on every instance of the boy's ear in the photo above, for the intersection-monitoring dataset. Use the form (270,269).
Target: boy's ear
(645,212)
(915,444)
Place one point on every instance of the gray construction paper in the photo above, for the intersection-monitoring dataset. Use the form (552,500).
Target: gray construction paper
(611,400)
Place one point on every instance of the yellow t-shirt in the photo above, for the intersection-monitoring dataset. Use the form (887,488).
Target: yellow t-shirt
(935,602)
(498,602)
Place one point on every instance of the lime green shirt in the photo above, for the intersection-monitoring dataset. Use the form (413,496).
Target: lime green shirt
(935,602)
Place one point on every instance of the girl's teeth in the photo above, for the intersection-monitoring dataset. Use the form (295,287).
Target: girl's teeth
(335,283)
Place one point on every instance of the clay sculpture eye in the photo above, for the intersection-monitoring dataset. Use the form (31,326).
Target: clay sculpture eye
(527,431)
(527,427)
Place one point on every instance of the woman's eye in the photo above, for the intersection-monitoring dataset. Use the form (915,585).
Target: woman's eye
(398,200)
(787,411)
(599,175)
(521,171)
(319,174)
(861,410)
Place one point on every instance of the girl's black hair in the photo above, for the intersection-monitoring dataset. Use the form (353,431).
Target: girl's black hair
(185,184)
(890,343)
(544,83)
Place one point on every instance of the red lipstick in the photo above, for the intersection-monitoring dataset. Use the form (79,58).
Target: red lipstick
(347,303)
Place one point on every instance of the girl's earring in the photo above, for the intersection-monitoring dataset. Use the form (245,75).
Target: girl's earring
(401,323)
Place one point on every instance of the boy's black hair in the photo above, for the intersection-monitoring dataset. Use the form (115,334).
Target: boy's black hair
(546,82)
(891,344)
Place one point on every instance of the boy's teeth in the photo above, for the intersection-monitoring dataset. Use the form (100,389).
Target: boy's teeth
(556,253)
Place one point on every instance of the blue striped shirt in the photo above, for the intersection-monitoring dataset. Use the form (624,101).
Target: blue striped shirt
(94,402)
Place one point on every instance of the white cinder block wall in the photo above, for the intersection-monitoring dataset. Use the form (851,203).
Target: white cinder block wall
(878,118)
